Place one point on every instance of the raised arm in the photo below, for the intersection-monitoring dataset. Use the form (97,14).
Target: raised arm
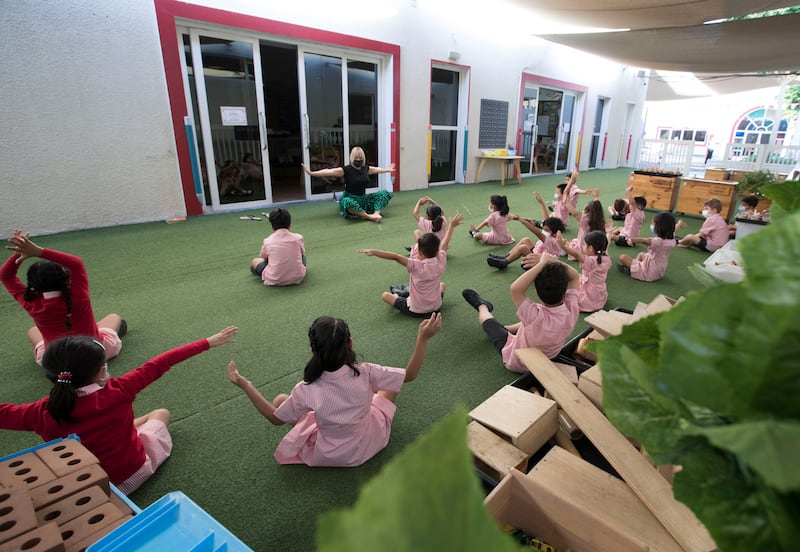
(454,221)
(565,245)
(539,200)
(629,196)
(266,408)
(388,255)
(380,170)
(427,329)
(528,223)
(520,286)
(335,171)
(420,202)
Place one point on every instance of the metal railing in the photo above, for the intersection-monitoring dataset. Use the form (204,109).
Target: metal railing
(667,155)
(759,157)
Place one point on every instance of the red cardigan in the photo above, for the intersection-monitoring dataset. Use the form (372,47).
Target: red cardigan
(49,315)
(105,417)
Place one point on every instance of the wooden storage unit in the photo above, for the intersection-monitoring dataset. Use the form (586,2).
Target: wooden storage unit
(661,192)
(716,174)
(694,192)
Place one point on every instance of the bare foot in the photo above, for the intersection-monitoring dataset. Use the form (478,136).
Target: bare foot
(680,225)
(375,217)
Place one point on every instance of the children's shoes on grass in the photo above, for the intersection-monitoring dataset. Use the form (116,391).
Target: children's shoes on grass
(624,269)
(472,297)
(400,291)
(497,262)
(472,233)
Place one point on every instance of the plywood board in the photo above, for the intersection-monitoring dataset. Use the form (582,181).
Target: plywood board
(493,452)
(643,479)
(608,322)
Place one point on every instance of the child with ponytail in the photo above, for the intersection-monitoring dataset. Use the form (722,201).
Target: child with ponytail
(57,298)
(594,261)
(342,411)
(99,409)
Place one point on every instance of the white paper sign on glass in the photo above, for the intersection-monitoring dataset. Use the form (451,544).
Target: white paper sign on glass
(233,116)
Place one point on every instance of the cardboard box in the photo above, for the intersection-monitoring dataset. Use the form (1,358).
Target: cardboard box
(72,506)
(524,419)
(89,526)
(493,455)
(67,485)
(590,383)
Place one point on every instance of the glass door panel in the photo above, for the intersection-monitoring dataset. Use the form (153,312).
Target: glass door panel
(324,118)
(234,118)
(444,124)
(565,132)
(530,144)
(362,111)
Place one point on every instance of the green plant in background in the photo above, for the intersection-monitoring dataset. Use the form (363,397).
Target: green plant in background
(713,385)
(427,498)
(752,183)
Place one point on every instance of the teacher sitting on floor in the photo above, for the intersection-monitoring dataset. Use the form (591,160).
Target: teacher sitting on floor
(355,202)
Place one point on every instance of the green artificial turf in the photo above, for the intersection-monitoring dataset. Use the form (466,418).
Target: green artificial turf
(174,283)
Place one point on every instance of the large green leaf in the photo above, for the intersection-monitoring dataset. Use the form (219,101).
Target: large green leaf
(740,511)
(770,447)
(786,194)
(770,260)
(427,498)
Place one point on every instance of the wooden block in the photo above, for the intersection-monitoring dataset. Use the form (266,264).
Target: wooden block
(46,538)
(608,322)
(563,441)
(26,469)
(583,352)
(648,485)
(72,506)
(591,384)
(16,513)
(569,371)
(66,456)
(121,504)
(600,508)
(69,484)
(89,539)
(525,419)
(660,303)
(569,427)
(639,312)
(512,502)
(495,456)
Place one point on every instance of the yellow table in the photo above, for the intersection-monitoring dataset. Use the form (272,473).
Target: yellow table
(502,158)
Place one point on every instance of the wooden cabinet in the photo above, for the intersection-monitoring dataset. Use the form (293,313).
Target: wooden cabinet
(694,192)
(661,192)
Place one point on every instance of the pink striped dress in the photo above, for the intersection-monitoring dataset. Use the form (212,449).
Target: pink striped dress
(592,293)
(339,420)
(499,234)
(653,264)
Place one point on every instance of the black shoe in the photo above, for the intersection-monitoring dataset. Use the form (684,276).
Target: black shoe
(123,329)
(550,207)
(400,291)
(624,269)
(472,233)
(537,223)
(497,262)
(496,256)
(409,248)
(476,300)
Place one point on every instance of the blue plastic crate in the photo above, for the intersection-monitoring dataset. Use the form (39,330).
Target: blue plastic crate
(173,522)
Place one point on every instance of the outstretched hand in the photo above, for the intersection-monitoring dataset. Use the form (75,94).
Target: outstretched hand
(306,169)
(235,377)
(560,239)
(223,336)
(21,243)
(431,326)
(456,219)
(368,252)
(538,197)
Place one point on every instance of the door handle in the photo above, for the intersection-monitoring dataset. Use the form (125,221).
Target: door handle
(262,123)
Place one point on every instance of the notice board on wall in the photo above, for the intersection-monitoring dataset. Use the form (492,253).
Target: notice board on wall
(494,122)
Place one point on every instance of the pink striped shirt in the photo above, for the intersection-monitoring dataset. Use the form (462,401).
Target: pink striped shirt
(499,234)
(284,252)
(633,223)
(339,420)
(715,231)
(424,283)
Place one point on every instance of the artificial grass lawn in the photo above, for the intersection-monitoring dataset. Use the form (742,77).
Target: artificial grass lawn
(174,283)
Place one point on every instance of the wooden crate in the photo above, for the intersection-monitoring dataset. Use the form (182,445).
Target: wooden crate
(694,192)
(590,383)
(493,455)
(661,192)
(716,174)
(525,419)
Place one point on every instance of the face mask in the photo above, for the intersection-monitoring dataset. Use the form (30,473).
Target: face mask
(705,213)
(546,233)
(556,196)
(652,229)
(357,163)
(742,208)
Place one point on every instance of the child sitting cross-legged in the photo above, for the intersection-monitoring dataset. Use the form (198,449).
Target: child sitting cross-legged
(282,259)
(714,232)
(592,292)
(545,325)
(426,289)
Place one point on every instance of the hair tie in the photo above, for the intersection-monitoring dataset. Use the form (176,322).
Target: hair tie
(64,377)
(99,344)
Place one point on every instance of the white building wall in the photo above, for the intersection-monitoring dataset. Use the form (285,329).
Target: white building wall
(88,139)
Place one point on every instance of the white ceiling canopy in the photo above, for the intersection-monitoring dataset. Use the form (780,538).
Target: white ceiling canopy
(647,14)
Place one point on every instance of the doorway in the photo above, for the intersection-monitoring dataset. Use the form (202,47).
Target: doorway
(447,117)
(261,108)
(548,134)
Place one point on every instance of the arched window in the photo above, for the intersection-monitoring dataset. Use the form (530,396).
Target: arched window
(756,128)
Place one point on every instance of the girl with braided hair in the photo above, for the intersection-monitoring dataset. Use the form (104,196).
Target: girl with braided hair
(57,298)
(342,411)
(99,409)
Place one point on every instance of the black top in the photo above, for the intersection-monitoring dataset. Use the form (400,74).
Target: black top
(356,180)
